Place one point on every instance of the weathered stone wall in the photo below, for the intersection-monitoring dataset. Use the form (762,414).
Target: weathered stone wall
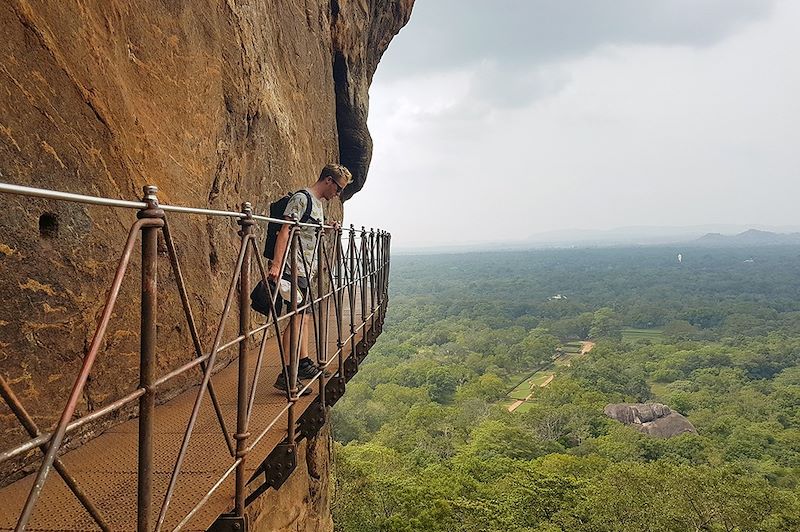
(303,502)
(215,102)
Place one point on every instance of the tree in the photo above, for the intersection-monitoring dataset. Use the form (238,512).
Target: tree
(441,383)
(605,323)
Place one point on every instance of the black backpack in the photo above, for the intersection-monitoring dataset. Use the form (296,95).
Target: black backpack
(277,210)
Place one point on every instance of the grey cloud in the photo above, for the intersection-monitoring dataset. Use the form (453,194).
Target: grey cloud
(449,34)
(510,88)
(699,130)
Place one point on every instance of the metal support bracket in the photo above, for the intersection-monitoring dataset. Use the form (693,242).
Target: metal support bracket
(312,420)
(350,367)
(362,348)
(277,467)
(334,390)
(280,463)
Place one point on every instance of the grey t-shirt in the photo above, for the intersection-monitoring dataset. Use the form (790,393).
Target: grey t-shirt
(308,235)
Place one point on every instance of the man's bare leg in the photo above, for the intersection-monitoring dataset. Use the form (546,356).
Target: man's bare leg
(287,343)
(301,344)
(303,336)
(301,339)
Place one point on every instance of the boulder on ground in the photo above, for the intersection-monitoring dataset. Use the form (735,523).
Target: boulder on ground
(653,419)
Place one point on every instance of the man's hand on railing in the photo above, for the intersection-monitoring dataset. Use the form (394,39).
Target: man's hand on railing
(274,271)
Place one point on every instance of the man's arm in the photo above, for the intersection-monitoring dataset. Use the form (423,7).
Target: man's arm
(281,243)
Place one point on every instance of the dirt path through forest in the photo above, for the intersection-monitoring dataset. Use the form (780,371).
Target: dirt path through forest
(513,406)
(586,346)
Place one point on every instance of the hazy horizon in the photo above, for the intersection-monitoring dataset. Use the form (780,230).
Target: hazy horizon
(615,236)
(492,125)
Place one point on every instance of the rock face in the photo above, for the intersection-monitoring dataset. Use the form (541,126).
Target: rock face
(303,502)
(653,419)
(215,102)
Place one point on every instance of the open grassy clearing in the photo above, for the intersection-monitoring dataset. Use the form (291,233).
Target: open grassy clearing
(524,407)
(540,377)
(543,377)
(632,335)
(520,393)
(534,381)
(517,377)
(659,389)
(566,360)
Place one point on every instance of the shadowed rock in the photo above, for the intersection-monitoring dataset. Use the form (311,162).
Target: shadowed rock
(653,419)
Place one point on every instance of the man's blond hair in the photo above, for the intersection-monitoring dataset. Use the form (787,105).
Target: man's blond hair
(338,172)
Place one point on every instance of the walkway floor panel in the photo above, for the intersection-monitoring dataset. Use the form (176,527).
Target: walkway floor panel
(106,467)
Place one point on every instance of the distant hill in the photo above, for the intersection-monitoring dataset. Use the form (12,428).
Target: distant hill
(652,235)
(751,237)
(712,234)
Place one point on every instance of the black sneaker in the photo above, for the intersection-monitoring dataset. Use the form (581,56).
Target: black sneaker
(280,384)
(306,369)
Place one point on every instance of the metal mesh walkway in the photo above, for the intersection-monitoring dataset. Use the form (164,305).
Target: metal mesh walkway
(107,466)
(181,465)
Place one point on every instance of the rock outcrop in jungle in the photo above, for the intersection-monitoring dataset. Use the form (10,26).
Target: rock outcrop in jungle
(653,419)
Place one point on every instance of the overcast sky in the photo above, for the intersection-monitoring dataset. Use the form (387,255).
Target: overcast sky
(498,120)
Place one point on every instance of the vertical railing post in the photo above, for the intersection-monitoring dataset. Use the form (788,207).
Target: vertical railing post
(364,277)
(322,307)
(294,332)
(372,280)
(247,223)
(382,265)
(147,357)
(379,265)
(340,299)
(387,265)
(352,288)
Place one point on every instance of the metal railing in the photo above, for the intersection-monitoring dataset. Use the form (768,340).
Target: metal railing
(350,270)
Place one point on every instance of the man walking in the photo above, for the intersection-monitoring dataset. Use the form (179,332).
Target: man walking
(332,180)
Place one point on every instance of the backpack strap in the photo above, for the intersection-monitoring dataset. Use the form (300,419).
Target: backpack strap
(309,205)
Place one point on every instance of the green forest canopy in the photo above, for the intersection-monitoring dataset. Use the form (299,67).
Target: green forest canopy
(424,441)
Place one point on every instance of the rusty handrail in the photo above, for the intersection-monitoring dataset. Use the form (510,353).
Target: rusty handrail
(109,202)
(360,267)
